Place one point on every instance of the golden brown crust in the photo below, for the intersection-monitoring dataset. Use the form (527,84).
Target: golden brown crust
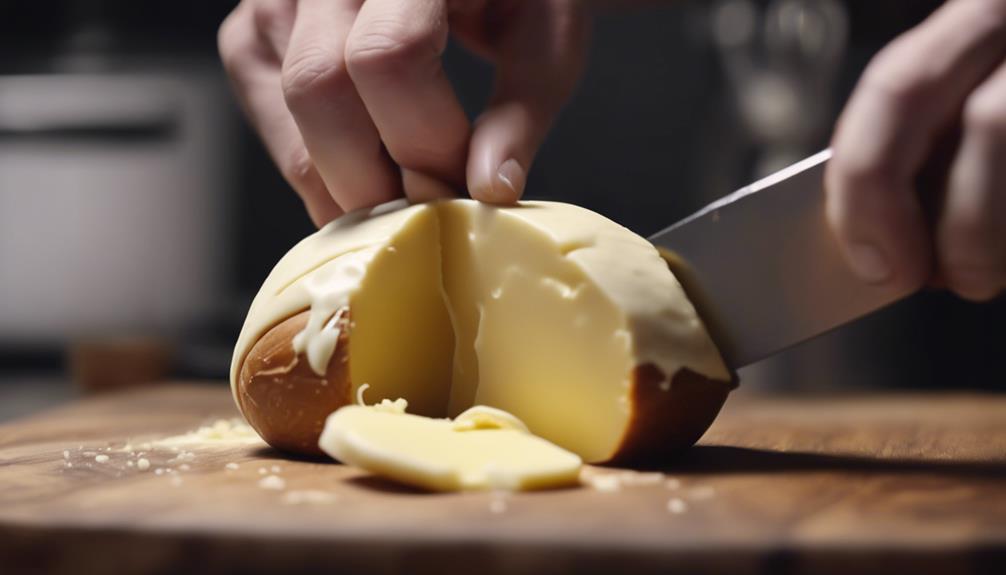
(287,403)
(668,418)
(282,398)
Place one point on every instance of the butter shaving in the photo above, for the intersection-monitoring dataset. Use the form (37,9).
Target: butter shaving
(386,405)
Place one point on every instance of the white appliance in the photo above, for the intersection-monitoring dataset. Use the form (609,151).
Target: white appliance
(112,202)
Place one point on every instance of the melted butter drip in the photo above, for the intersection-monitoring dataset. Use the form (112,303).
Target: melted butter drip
(329,290)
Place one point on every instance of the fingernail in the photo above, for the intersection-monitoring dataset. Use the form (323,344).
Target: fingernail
(976,284)
(511,175)
(869,263)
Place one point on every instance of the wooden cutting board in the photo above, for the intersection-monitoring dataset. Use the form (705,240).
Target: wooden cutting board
(887,484)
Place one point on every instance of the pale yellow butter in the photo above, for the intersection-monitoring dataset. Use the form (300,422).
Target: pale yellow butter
(523,308)
(483,448)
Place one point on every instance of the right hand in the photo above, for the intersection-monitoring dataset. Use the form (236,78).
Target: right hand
(944,76)
(354,107)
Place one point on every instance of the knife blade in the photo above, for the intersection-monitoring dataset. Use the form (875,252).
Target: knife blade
(764,270)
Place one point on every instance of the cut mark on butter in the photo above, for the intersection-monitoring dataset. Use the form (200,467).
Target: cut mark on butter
(316,267)
(569,247)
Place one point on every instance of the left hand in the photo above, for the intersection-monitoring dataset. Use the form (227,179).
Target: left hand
(946,73)
(352,102)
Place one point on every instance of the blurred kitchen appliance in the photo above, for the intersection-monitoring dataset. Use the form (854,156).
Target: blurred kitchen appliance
(112,195)
(782,60)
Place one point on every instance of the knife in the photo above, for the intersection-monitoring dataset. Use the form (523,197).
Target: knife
(763,269)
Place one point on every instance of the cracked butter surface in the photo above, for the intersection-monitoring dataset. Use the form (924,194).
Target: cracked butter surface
(542,309)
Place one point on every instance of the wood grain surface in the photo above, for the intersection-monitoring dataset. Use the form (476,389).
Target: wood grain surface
(885,484)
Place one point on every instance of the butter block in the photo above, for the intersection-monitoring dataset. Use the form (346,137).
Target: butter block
(545,310)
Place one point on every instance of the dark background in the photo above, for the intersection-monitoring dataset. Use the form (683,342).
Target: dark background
(654,132)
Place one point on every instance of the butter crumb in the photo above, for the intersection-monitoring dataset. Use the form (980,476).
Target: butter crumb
(232,466)
(677,505)
(273,482)
(130,464)
(143,464)
(101,458)
(702,493)
(637,478)
(276,469)
(607,483)
(221,433)
(66,454)
(613,481)
(262,471)
(388,406)
(308,496)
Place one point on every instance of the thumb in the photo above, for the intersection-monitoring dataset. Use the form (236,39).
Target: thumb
(540,58)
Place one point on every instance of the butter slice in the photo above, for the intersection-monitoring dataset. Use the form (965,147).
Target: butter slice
(483,448)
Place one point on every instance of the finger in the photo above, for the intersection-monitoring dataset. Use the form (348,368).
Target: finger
(541,57)
(333,122)
(904,102)
(393,54)
(274,22)
(971,237)
(253,68)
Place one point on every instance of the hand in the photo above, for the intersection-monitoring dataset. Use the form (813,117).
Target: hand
(947,74)
(355,109)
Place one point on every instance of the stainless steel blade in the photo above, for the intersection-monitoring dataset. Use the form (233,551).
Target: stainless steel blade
(764,269)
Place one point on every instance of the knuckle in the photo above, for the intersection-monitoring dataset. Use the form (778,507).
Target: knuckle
(971,261)
(230,41)
(858,179)
(442,161)
(898,78)
(314,74)
(267,13)
(298,169)
(985,114)
(390,47)
(971,233)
